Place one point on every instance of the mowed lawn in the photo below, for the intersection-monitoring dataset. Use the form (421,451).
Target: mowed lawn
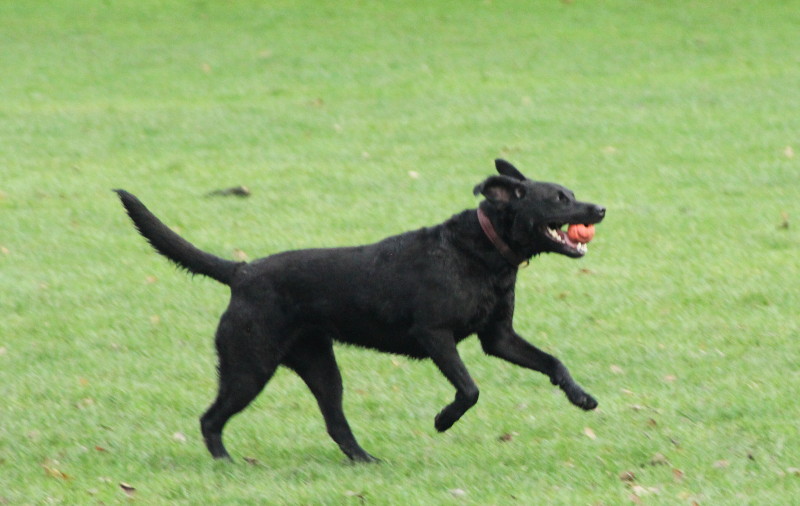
(351,121)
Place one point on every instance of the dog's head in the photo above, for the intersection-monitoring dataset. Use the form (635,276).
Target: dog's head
(530,215)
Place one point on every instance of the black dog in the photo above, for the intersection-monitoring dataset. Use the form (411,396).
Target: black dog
(416,294)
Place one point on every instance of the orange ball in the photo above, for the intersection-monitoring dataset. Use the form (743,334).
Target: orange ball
(580,233)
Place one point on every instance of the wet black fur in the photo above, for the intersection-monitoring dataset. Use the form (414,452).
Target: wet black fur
(416,294)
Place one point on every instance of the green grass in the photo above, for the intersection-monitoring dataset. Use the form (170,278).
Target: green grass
(680,117)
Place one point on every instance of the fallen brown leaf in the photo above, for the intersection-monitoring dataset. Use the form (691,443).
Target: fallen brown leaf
(458,492)
(84,403)
(589,433)
(659,460)
(627,476)
(508,436)
(236,191)
(128,489)
(353,493)
(643,491)
(55,473)
(784,220)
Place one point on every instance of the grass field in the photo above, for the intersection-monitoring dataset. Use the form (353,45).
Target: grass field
(350,121)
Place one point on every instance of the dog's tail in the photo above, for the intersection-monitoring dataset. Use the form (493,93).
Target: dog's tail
(175,247)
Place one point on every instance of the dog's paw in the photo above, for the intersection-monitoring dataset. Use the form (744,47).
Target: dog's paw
(579,398)
(364,458)
(584,401)
(442,422)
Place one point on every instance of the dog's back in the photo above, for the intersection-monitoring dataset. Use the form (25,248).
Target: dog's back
(372,295)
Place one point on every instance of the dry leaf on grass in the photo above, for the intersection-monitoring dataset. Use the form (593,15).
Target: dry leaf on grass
(508,436)
(641,491)
(84,403)
(235,191)
(128,489)
(458,492)
(352,493)
(51,470)
(589,433)
(784,220)
(659,460)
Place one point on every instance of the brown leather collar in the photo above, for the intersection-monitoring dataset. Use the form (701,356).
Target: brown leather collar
(504,249)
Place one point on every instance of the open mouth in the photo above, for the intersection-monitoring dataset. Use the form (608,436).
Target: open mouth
(561,241)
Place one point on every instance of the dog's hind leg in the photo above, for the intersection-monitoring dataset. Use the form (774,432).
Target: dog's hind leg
(441,348)
(242,375)
(312,358)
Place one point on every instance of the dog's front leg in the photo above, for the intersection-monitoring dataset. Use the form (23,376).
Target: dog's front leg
(441,348)
(503,342)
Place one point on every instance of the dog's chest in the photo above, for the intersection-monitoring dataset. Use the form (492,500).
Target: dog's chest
(488,300)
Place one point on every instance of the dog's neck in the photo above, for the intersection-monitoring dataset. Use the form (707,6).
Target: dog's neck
(502,247)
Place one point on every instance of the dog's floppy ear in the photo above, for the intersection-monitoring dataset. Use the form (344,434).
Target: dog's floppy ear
(505,168)
(500,189)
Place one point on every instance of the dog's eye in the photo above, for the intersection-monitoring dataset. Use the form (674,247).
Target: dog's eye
(561,197)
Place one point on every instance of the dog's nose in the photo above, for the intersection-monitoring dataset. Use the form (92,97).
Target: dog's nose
(600,211)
